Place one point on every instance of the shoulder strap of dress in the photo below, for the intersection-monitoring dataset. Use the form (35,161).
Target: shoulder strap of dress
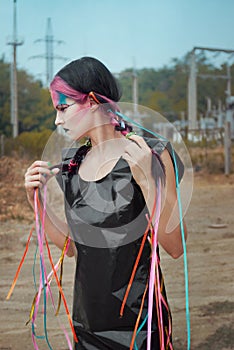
(159,146)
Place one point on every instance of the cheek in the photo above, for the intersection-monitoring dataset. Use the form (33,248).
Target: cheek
(76,113)
(81,114)
(80,119)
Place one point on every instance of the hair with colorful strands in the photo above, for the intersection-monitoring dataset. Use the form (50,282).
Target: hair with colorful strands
(85,78)
(89,74)
(88,77)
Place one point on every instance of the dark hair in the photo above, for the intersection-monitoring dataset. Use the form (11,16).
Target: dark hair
(85,75)
(89,74)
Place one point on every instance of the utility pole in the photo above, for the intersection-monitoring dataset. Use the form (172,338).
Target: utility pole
(135,93)
(14,93)
(192,82)
(49,52)
(229,125)
(192,93)
(229,101)
(133,75)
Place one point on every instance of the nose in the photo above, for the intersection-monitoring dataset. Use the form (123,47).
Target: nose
(59,120)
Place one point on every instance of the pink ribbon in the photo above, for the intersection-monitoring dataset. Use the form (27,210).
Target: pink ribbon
(154,264)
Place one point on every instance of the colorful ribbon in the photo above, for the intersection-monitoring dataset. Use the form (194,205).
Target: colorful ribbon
(154,265)
(181,221)
(44,278)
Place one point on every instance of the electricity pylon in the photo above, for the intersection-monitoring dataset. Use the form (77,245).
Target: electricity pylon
(14,42)
(49,53)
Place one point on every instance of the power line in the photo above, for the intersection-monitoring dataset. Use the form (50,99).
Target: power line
(49,51)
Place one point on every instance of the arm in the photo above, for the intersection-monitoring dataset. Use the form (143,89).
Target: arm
(140,160)
(55,228)
(169,224)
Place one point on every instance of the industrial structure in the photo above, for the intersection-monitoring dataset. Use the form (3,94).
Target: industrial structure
(49,57)
(49,51)
(220,116)
(14,42)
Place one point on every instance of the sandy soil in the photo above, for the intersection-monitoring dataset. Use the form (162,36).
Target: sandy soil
(210,261)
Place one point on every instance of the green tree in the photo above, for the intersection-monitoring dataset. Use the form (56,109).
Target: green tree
(165,89)
(5,103)
(35,110)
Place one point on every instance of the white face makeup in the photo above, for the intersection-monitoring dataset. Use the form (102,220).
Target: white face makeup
(70,116)
(79,119)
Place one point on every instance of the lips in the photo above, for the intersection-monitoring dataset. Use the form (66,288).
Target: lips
(66,130)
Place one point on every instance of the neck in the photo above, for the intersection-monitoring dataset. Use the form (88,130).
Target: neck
(100,135)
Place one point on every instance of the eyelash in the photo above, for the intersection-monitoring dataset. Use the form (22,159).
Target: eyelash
(61,109)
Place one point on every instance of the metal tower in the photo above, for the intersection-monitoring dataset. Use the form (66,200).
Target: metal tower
(14,42)
(192,83)
(49,53)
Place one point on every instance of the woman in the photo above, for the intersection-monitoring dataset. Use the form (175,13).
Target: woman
(110,187)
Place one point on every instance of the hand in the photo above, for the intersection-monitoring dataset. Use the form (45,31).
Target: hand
(139,157)
(36,176)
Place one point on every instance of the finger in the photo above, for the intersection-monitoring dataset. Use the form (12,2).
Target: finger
(136,152)
(139,141)
(57,166)
(52,173)
(40,163)
(37,170)
(128,157)
(133,147)
(55,171)
(33,184)
(38,177)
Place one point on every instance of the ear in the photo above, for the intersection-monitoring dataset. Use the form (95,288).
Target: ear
(91,101)
(93,105)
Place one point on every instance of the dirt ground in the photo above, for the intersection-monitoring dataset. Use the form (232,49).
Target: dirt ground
(210,261)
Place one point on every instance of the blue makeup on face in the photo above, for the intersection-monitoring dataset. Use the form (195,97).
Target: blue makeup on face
(62,99)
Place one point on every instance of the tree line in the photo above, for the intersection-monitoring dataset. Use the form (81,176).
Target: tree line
(163,90)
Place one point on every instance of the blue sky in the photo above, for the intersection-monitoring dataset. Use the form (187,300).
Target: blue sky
(119,33)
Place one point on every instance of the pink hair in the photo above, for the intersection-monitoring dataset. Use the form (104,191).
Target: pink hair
(58,85)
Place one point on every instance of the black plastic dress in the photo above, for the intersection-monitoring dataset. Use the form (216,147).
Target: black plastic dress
(107,221)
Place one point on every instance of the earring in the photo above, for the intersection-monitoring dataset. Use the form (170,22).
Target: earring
(122,124)
(114,121)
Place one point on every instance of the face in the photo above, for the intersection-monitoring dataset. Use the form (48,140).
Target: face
(72,116)
(79,119)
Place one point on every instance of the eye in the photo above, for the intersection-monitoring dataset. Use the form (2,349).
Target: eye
(62,107)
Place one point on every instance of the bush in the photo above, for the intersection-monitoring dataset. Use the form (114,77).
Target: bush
(28,144)
(209,160)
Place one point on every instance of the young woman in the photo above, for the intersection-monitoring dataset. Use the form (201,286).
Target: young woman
(110,187)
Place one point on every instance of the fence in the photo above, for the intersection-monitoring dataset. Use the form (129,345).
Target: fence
(210,149)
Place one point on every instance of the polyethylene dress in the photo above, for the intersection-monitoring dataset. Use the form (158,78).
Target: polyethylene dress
(107,219)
